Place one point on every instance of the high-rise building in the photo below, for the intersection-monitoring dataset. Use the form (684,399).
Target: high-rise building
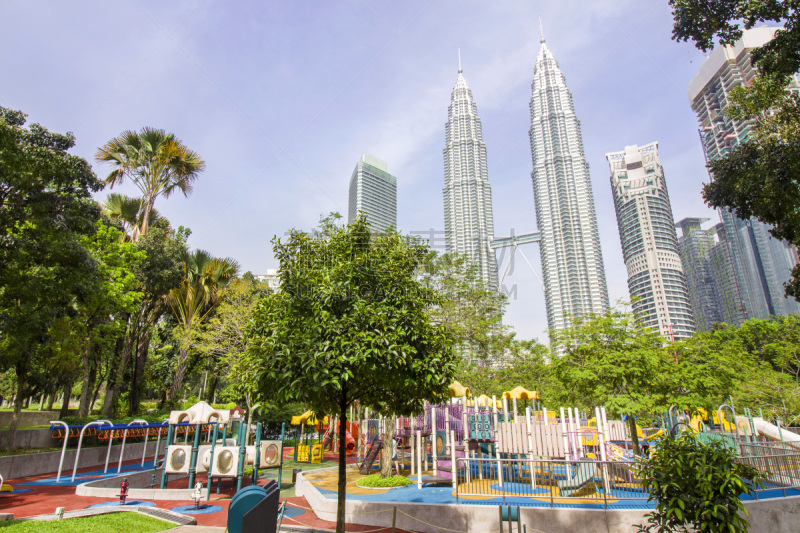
(572,262)
(729,294)
(656,280)
(468,220)
(762,263)
(713,290)
(373,191)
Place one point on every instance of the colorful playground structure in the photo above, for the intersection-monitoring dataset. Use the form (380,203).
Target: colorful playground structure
(513,447)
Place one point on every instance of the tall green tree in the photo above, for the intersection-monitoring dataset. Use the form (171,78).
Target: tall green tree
(128,213)
(191,303)
(100,318)
(761,176)
(157,162)
(350,323)
(220,340)
(526,363)
(45,208)
(160,272)
(612,359)
(471,311)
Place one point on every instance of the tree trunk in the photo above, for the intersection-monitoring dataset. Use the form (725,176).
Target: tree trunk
(634,436)
(140,362)
(51,401)
(97,384)
(388,446)
(148,207)
(342,466)
(180,372)
(65,401)
(83,408)
(11,443)
(122,354)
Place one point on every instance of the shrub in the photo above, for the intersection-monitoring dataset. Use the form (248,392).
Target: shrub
(375,481)
(697,485)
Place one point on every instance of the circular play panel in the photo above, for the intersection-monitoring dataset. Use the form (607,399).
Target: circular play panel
(140,503)
(191,509)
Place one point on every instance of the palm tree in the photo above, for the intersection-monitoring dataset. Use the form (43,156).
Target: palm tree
(130,214)
(156,162)
(204,277)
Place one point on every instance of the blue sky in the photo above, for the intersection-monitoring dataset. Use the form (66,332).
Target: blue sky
(281,98)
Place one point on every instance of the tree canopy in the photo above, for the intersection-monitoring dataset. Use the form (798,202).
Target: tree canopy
(45,209)
(157,162)
(350,323)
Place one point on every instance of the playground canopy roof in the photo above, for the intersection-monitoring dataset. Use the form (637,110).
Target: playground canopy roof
(521,393)
(457,390)
(309,418)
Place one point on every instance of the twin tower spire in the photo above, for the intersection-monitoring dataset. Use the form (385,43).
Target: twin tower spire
(572,263)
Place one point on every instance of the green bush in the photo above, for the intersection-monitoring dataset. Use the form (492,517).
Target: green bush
(697,485)
(376,481)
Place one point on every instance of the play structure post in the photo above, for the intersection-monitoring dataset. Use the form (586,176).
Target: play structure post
(242,455)
(530,445)
(544,415)
(564,435)
(434,439)
(446,426)
(80,441)
(413,442)
(63,448)
(193,460)
(280,468)
(425,421)
(299,434)
(211,458)
(602,439)
(465,438)
(578,445)
(257,454)
(453,459)
(170,435)
(419,459)
(498,441)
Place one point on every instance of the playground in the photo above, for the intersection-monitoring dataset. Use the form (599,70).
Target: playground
(474,464)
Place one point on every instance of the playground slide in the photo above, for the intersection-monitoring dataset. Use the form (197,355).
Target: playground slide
(350,442)
(583,476)
(771,431)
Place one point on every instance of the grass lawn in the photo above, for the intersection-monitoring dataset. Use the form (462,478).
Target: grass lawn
(121,522)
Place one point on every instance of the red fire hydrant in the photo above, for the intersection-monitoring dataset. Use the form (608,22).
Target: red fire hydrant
(123,491)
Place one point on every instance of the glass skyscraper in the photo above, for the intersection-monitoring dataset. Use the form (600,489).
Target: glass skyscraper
(572,261)
(468,220)
(373,191)
(656,280)
(762,263)
(709,273)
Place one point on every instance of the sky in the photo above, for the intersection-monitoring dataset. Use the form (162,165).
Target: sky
(281,98)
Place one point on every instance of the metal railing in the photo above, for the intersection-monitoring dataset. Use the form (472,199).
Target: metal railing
(756,449)
(783,471)
(550,482)
(557,483)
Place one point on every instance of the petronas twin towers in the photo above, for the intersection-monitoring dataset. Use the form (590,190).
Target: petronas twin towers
(572,262)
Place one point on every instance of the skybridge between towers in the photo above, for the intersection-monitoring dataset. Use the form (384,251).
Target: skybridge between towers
(513,241)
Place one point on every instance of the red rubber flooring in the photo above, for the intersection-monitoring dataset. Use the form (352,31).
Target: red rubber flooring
(44,499)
